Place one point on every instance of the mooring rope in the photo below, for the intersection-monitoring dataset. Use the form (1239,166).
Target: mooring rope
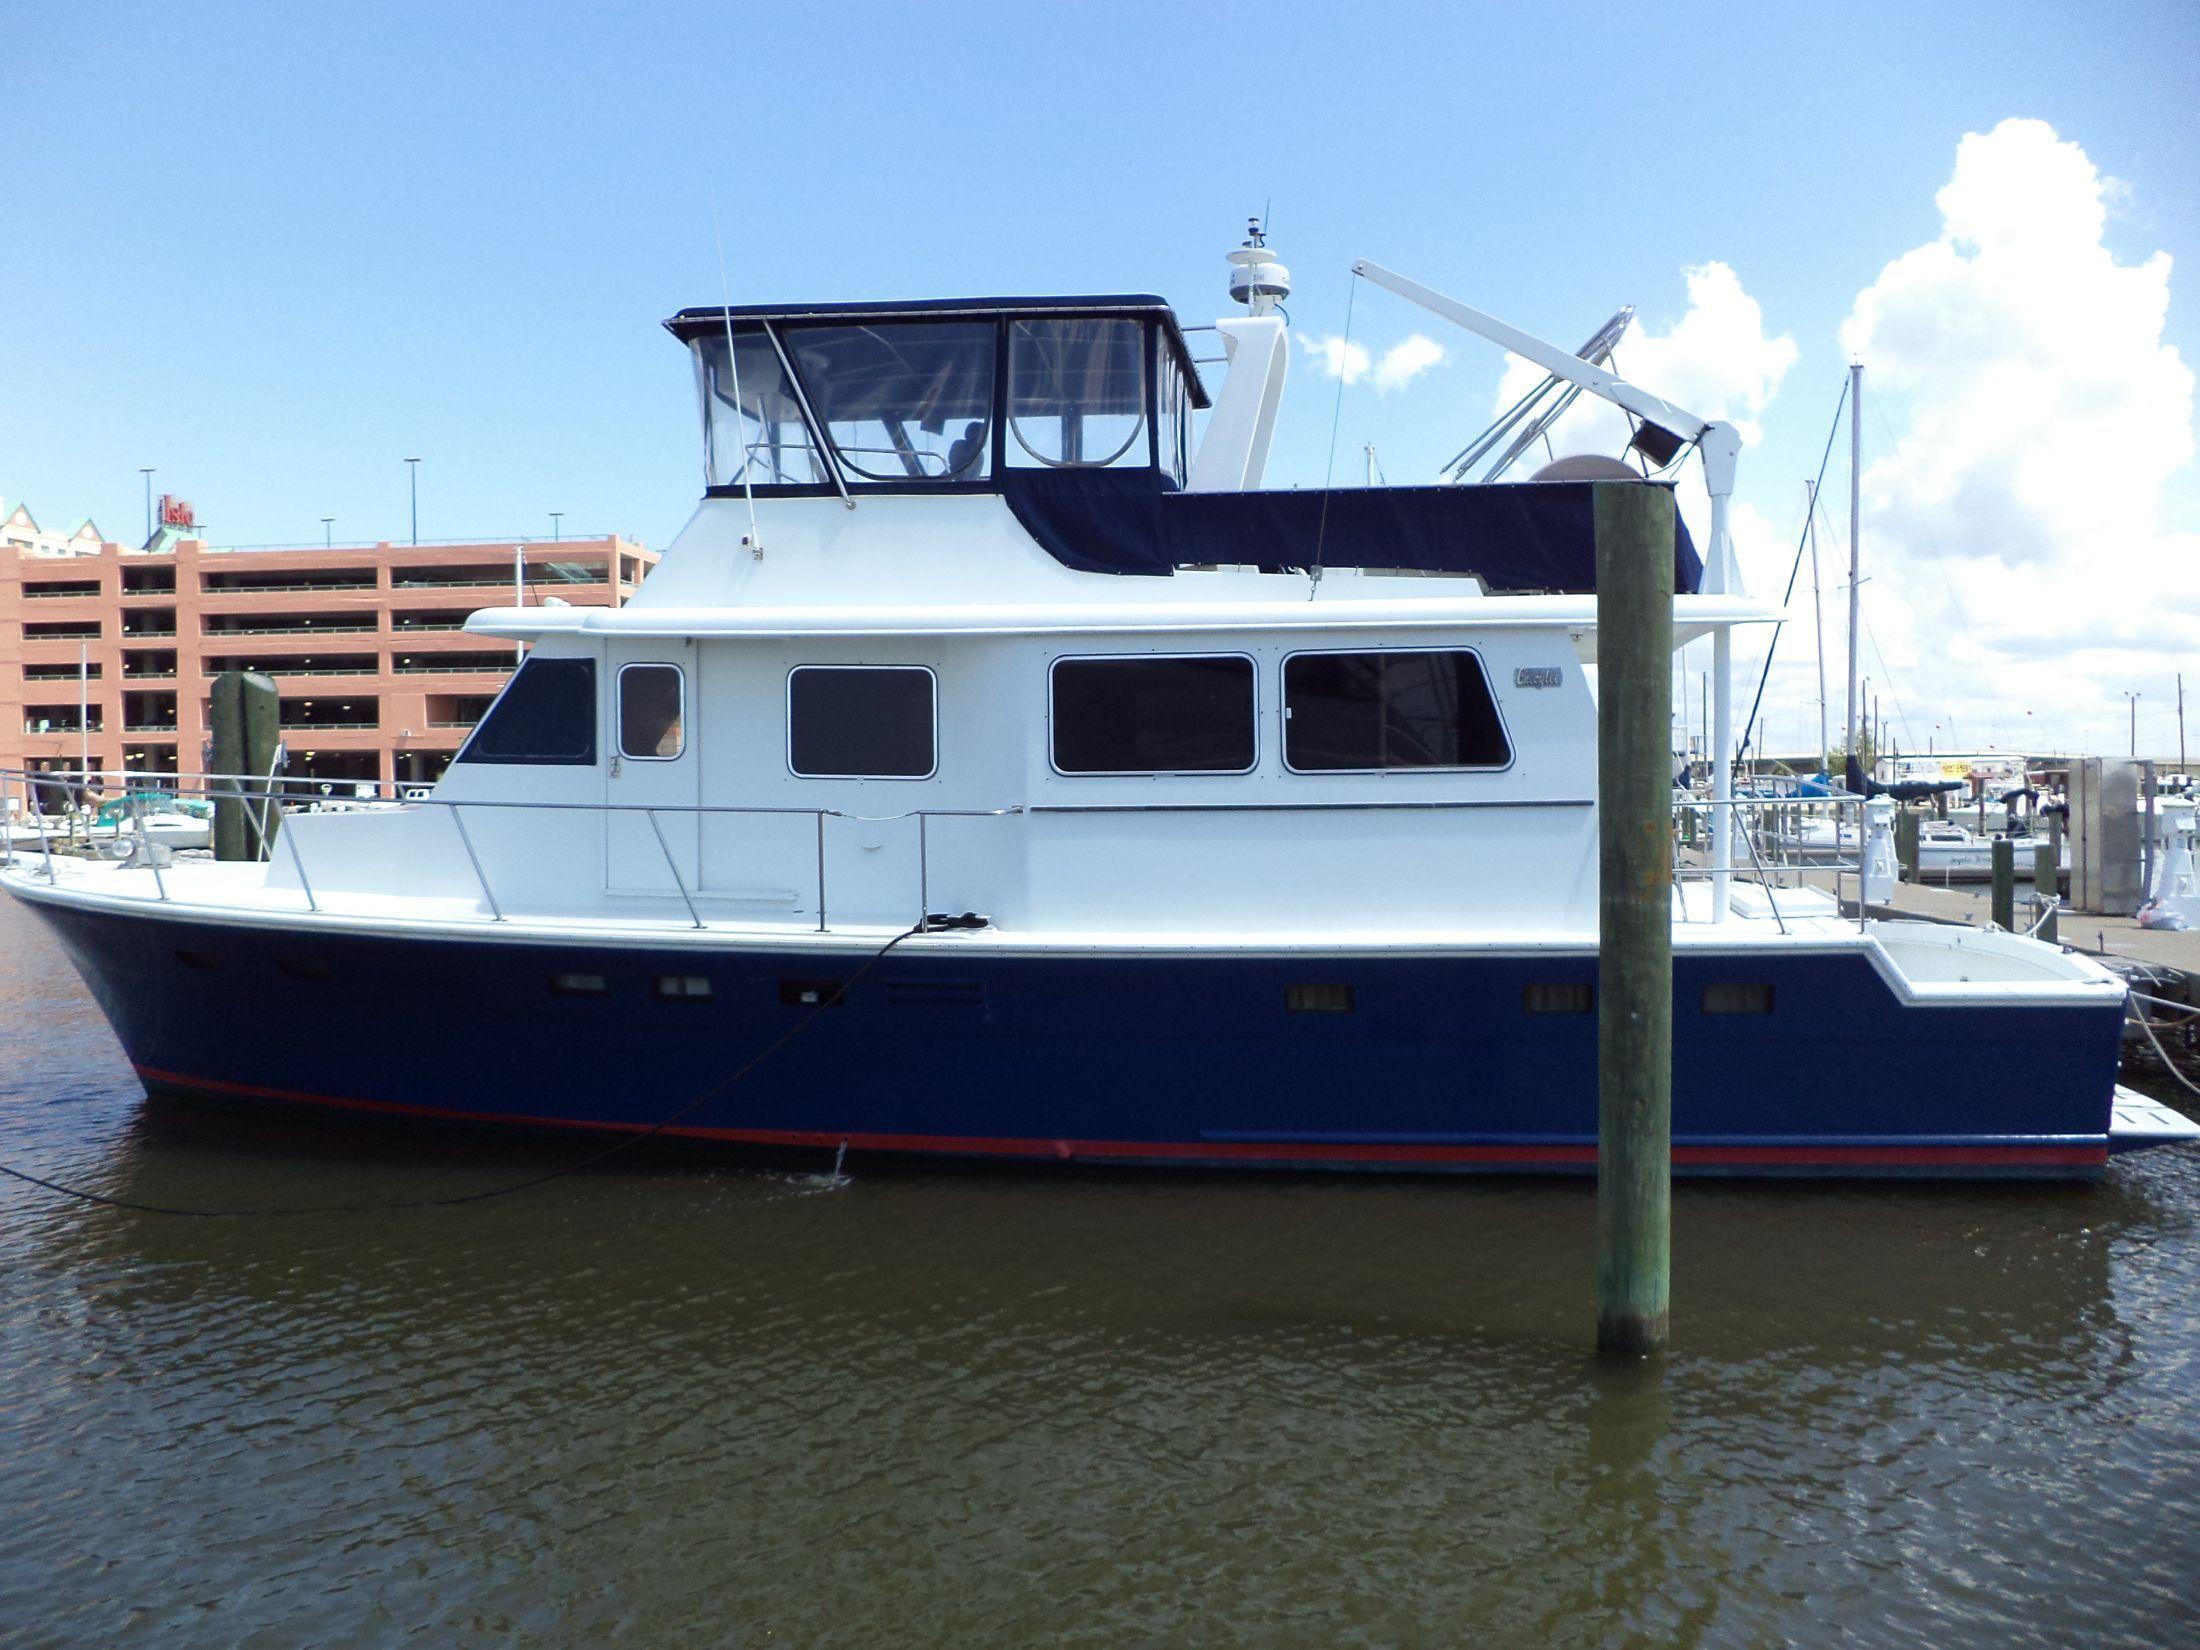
(2162,1053)
(825,1000)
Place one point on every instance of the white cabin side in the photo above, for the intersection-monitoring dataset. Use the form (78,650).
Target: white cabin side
(960,627)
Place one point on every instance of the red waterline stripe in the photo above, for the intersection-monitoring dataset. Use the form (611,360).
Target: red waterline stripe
(1212,1150)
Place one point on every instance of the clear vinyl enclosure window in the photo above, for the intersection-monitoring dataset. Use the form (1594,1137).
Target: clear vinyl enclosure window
(1077,393)
(902,401)
(1154,715)
(1353,712)
(651,720)
(759,438)
(1172,413)
(860,722)
(547,713)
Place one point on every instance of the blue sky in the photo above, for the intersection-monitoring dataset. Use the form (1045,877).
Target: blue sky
(275,250)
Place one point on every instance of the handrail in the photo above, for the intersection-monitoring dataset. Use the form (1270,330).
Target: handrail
(673,866)
(1761,869)
(458,819)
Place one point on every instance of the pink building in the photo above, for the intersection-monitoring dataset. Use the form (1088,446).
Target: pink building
(379,680)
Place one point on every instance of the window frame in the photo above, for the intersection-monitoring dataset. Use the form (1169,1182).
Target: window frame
(1055,767)
(788,338)
(1161,328)
(618,709)
(1144,437)
(594,756)
(932,772)
(1283,717)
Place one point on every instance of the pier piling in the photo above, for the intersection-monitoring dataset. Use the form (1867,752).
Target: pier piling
(2047,878)
(2005,884)
(246,728)
(1634,550)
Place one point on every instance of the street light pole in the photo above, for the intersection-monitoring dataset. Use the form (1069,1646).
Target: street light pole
(412,470)
(557,528)
(2134,698)
(148,475)
(328,532)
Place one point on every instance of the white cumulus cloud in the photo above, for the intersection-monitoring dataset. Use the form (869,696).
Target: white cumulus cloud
(1337,357)
(1403,362)
(1716,360)
(2025,426)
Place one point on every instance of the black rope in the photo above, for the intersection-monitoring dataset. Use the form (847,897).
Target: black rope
(826,1000)
(1764,676)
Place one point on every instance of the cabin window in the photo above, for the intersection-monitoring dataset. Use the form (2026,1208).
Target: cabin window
(759,438)
(650,721)
(902,401)
(546,713)
(860,722)
(1077,393)
(1355,712)
(1154,715)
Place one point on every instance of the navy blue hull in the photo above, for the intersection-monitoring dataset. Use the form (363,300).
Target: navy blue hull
(1438,1063)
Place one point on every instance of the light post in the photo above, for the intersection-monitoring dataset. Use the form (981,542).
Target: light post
(557,525)
(148,475)
(328,532)
(412,470)
(2134,698)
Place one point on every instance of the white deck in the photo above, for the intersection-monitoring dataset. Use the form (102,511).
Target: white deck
(1922,964)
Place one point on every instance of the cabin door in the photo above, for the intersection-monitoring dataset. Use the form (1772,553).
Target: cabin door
(651,768)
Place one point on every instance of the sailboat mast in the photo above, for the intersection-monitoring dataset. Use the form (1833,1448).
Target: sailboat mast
(1818,616)
(1856,513)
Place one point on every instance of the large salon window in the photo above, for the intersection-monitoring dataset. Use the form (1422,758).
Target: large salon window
(1077,393)
(650,720)
(1167,715)
(860,722)
(1351,712)
(902,401)
(547,713)
(759,436)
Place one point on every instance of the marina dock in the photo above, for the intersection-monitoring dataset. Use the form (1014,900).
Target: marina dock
(2103,936)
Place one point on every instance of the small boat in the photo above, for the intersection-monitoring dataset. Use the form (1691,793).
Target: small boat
(994,767)
(154,817)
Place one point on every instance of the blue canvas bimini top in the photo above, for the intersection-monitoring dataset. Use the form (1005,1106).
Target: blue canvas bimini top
(1534,536)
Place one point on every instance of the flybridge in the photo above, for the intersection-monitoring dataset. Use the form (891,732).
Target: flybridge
(939,394)
(1077,410)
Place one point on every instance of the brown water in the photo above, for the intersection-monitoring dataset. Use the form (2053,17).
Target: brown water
(693,1402)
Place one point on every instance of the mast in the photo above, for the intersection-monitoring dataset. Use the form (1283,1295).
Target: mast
(1818,619)
(1856,512)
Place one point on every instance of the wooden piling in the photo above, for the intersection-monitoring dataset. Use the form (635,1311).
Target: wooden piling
(262,736)
(2005,884)
(1634,551)
(246,729)
(225,758)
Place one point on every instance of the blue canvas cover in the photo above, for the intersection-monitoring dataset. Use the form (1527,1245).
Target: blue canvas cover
(1517,537)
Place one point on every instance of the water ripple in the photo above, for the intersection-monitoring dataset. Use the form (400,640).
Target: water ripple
(688,1401)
